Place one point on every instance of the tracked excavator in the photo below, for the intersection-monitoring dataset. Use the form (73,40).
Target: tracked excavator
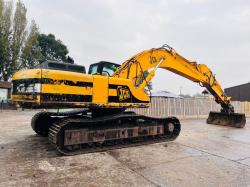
(101,123)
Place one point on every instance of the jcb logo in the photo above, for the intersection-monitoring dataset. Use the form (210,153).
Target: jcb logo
(123,93)
(153,60)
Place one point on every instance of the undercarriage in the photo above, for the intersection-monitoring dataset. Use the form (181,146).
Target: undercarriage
(78,132)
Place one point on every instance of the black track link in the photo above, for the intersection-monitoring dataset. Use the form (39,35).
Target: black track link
(56,134)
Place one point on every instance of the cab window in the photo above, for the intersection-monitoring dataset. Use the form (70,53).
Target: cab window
(109,68)
(93,69)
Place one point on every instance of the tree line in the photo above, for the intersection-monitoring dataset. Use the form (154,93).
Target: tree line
(22,46)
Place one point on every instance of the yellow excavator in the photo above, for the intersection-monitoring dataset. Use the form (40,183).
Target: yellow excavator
(104,94)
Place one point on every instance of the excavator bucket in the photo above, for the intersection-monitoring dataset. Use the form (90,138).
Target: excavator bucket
(237,120)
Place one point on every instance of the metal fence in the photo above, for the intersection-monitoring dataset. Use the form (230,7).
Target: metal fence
(187,107)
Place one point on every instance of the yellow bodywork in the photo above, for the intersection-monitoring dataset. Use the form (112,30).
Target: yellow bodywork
(125,88)
(96,87)
(167,58)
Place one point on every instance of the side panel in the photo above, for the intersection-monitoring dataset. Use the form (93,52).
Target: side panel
(26,86)
(123,91)
(65,87)
(100,89)
(62,89)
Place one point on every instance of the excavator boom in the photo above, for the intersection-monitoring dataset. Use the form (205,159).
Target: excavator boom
(141,69)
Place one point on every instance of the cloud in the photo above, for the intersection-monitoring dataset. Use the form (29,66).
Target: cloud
(212,32)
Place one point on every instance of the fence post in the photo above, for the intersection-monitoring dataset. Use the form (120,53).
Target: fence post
(174,107)
(197,105)
(164,106)
(184,109)
(168,106)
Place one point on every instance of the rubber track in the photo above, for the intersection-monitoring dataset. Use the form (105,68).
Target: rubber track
(59,126)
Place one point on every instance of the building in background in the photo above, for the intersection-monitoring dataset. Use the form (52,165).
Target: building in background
(165,94)
(5,88)
(239,93)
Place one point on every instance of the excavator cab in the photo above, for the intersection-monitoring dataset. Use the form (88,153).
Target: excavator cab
(103,68)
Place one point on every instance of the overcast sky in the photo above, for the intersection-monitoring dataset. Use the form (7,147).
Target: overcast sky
(211,32)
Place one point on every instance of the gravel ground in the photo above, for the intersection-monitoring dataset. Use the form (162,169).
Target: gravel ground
(203,155)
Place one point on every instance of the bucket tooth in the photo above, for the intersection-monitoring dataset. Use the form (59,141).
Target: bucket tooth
(237,120)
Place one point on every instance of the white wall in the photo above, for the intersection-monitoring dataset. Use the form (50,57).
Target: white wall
(3,94)
(187,107)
